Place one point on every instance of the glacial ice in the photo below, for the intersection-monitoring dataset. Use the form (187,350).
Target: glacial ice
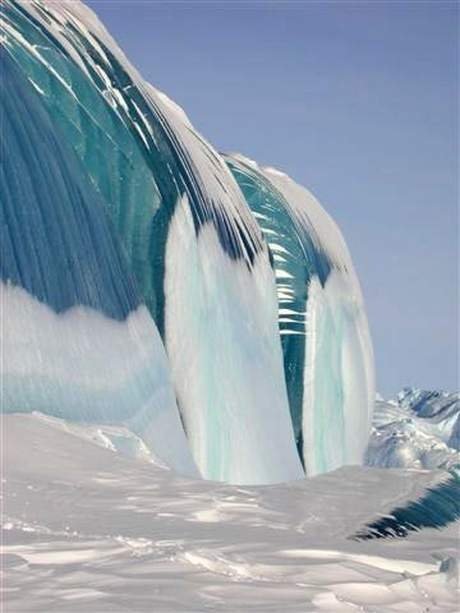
(77,341)
(327,351)
(166,307)
(438,411)
(417,430)
(253,418)
(149,217)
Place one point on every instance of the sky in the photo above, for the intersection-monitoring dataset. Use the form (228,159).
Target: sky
(356,101)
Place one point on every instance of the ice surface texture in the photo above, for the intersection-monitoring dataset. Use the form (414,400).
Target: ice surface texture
(439,506)
(131,243)
(418,430)
(86,528)
(440,411)
(325,338)
(77,341)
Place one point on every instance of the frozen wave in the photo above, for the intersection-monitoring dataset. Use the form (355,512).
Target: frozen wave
(77,340)
(151,215)
(328,360)
(146,167)
(225,362)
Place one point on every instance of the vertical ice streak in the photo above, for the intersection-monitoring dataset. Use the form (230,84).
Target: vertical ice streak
(326,345)
(250,438)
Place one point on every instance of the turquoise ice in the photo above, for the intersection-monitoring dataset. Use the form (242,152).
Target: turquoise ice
(327,351)
(154,281)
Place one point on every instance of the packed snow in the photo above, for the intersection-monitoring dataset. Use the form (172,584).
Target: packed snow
(89,526)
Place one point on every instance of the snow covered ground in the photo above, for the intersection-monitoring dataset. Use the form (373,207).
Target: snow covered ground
(92,523)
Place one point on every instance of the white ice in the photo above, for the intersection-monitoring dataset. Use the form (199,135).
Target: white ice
(225,354)
(85,366)
(336,413)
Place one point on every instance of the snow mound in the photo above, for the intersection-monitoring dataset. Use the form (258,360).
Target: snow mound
(86,528)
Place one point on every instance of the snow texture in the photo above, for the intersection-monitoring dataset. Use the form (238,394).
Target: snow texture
(418,430)
(86,528)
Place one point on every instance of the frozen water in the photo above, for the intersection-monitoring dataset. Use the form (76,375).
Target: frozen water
(414,435)
(145,170)
(328,360)
(169,313)
(236,443)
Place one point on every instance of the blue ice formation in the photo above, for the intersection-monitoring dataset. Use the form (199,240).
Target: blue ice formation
(437,507)
(438,410)
(419,429)
(324,334)
(145,282)
(78,342)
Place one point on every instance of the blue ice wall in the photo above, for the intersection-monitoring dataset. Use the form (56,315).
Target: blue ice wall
(164,187)
(124,140)
(436,508)
(296,259)
(326,348)
(78,342)
(55,230)
(247,279)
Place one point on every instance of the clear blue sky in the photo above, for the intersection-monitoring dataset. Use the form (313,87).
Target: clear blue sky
(355,100)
